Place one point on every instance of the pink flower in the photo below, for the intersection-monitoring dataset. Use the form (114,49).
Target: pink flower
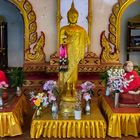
(52,98)
(63,51)
(3,85)
(86,96)
(50,93)
(86,86)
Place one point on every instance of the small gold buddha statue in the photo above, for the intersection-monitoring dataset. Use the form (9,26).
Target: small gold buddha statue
(77,40)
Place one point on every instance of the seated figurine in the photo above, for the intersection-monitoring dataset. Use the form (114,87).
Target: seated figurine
(131,94)
(3,77)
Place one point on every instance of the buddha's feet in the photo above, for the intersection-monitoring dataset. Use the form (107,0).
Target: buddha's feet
(69,99)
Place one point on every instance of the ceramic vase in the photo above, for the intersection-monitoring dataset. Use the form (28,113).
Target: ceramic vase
(116,99)
(38,112)
(87,107)
(1,102)
(108,90)
(18,92)
(54,107)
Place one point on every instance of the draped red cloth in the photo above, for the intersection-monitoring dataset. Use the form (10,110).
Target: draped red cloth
(134,85)
(3,77)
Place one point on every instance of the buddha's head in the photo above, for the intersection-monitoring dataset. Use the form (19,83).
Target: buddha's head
(72,15)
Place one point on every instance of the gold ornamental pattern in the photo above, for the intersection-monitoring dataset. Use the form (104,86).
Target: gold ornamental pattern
(113,40)
(30,36)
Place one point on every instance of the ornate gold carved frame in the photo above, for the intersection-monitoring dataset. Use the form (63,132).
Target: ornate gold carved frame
(113,40)
(31,38)
(59,17)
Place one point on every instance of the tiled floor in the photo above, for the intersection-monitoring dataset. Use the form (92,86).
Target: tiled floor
(26,133)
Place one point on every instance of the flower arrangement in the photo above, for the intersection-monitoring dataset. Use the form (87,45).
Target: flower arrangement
(116,81)
(78,101)
(87,90)
(52,90)
(38,101)
(3,85)
(63,60)
(3,94)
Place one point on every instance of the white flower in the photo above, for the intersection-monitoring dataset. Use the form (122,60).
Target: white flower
(116,79)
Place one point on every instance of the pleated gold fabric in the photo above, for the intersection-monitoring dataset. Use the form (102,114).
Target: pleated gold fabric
(11,119)
(89,126)
(121,120)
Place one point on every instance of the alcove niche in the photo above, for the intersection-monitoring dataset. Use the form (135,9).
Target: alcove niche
(132,11)
(15,34)
(117,37)
(25,46)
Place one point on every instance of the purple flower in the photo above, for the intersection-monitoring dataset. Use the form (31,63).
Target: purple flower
(49,85)
(87,86)
(86,96)
(52,98)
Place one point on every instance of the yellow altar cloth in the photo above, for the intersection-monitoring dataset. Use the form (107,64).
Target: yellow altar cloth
(89,126)
(11,117)
(120,120)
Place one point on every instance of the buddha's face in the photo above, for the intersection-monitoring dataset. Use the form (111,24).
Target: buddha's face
(129,67)
(72,18)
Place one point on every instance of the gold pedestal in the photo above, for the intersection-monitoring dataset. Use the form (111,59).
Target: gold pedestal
(67,106)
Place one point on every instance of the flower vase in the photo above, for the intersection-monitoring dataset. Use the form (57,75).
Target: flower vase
(18,92)
(1,102)
(54,107)
(107,93)
(38,112)
(1,99)
(87,108)
(116,100)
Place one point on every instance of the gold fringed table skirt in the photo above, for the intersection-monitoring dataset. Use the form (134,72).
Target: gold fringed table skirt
(120,120)
(89,126)
(11,117)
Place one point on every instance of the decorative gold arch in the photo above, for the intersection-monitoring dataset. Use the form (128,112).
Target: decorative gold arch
(113,40)
(30,37)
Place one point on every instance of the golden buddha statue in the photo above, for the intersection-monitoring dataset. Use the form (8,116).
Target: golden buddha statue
(75,38)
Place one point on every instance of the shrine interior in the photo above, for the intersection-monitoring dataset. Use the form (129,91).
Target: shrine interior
(30,56)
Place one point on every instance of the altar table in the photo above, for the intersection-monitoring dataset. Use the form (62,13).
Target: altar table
(124,120)
(89,126)
(11,116)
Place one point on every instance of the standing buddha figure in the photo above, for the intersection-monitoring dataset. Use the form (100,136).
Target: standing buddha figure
(75,39)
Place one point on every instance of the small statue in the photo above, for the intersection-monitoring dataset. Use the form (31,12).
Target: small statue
(131,94)
(75,38)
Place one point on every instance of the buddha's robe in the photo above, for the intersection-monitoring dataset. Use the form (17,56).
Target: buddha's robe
(76,39)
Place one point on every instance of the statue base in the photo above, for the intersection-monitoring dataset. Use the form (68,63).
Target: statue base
(67,107)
